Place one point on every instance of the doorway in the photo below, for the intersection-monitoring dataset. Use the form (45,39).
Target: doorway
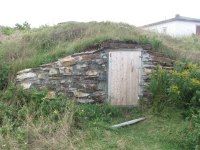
(124,76)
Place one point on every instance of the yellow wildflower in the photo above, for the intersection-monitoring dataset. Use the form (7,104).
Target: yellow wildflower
(175,89)
(175,73)
(195,81)
(185,73)
(192,66)
(55,112)
(161,72)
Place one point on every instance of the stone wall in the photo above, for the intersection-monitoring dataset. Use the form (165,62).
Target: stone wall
(85,75)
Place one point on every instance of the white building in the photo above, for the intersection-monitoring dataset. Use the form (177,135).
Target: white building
(178,26)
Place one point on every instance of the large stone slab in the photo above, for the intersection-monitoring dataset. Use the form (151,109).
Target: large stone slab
(26,85)
(24,71)
(51,95)
(91,73)
(79,66)
(84,101)
(23,76)
(66,70)
(148,71)
(99,95)
(42,76)
(88,57)
(88,86)
(97,61)
(53,71)
(68,61)
(81,94)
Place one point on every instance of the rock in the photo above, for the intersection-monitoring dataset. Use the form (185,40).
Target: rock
(79,66)
(168,60)
(99,95)
(53,72)
(68,61)
(41,76)
(54,78)
(91,73)
(158,54)
(149,66)
(62,81)
(102,86)
(88,86)
(24,71)
(43,88)
(102,77)
(25,76)
(168,68)
(147,70)
(72,89)
(66,70)
(51,95)
(97,61)
(26,85)
(46,69)
(158,59)
(80,94)
(87,57)
(46,65)
(36,69)
(146,47)
(84,101)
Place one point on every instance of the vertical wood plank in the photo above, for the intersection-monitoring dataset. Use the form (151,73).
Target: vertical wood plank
(124,79)
(131,73)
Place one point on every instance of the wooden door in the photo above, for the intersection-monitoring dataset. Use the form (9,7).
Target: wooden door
(198,30)
(124,76)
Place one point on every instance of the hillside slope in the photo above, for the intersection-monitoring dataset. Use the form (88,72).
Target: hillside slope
(31,120)
(30,48)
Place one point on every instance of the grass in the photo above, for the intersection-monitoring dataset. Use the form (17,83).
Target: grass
(77,129)
(156,132)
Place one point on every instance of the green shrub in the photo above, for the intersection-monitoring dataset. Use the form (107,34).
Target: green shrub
(155,43)
(19,103)
(7,30)
(196,131)
(24,26)
(4,72)
(179,87)
(144,40)
(191,135)
(98,112)
(159,88)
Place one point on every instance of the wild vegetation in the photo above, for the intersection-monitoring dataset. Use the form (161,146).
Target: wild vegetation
(179,89)
(29,120)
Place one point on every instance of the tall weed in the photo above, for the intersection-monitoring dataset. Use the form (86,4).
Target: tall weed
(27,117)
(4,74)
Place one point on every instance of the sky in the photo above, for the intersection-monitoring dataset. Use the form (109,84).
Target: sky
(134,12)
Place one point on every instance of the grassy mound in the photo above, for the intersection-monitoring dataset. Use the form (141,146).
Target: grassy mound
(28,48)
(29,120)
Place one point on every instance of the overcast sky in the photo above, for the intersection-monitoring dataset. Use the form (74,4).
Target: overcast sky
(135,12)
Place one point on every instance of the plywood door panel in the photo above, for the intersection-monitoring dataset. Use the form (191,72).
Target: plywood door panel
(124,77)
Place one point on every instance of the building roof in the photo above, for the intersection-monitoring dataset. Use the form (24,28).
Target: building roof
(176,18)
